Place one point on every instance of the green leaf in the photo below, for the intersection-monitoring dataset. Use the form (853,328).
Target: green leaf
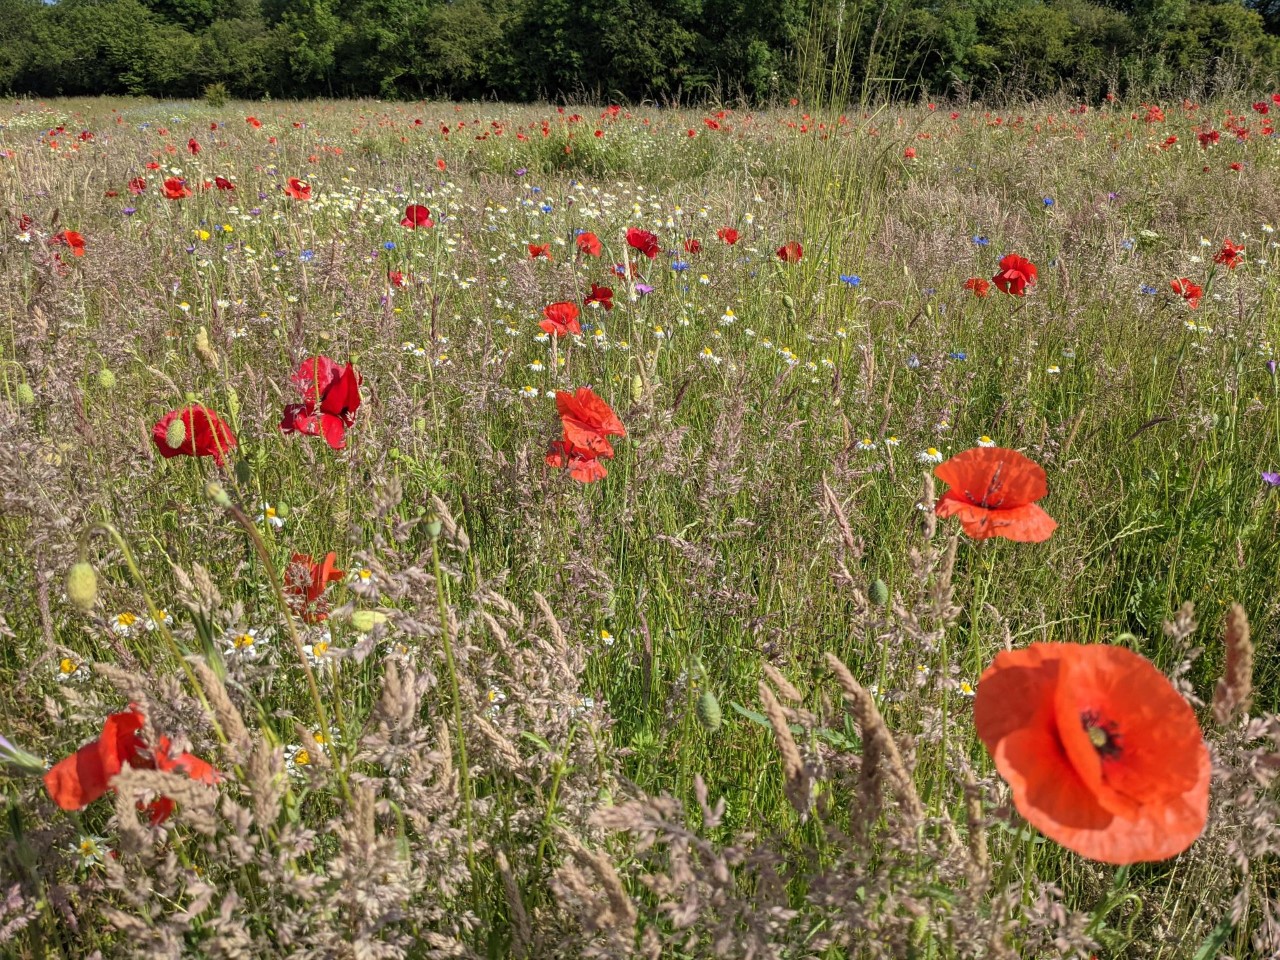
(1214,941)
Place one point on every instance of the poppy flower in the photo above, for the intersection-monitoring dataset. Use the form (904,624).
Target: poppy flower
(602,296)
(1230,256)
(416,215)
(253,122)
(589,244)
(790,252)
(643,241)
(539,251)
(396,278)
(1188,291)
(222,183)
(137,186)
(330,399)
(994,493)
(72,239)
(298,189)
(175,189)
(909,153)
(979,286)
(1102,753)
(194,146)
(193,431)
(1016,274)
(728,235)
(305,582)
(76,781)
(25,223)
(588,421)
(583,465)
(693,245)
(151,165)
(561,319)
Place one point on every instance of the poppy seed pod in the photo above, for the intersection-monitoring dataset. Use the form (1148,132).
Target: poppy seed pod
(106,379)
(708,711)
(433,526)
(82,585)
(176,433)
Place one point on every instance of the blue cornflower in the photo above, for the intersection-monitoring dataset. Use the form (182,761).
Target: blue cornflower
(1149,290)
(1048,201)
(679,266)
(958,355)
(982,241)
(389,245)
(851,279)
(1126,244)
(546,208)
(306,256)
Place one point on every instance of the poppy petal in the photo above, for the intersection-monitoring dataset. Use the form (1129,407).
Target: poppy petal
(994,477)
(334,431)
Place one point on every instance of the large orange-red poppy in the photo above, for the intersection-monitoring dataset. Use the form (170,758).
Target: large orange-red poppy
(1102,753)
(76,781)
(993,492)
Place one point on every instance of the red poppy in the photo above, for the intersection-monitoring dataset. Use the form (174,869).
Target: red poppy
(994,493)
(441,165)
(193,431)
(253,122)
(305,582)
(602,296)
(1188,291)
(790,252)
(588,421)
(151,165)
(1102,753)
(175,189)
(643,241)
(330,399)
(1230,256)
(25,223)
(561,318)
(72,239)
(589,244)
(76,781)
(193,146)
(396,278)
(222,183)
(537,251)
(1016,274)
(298,189)
(979,286)
(137,186)
(416,215)
(583,465)
(728,235)
(909,153)
(693,245)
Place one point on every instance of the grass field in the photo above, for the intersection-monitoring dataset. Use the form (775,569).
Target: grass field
(538,717)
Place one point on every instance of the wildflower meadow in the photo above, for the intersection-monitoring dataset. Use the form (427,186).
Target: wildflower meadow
(470,530)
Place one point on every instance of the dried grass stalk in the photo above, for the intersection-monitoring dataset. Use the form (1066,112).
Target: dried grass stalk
(793,768)
(1234,689)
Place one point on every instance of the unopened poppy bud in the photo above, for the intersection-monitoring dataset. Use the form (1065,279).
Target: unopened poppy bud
(26,396)
(244,473)
(365,620)
(789,302)
(106,379)
(217,493)
(879,592)
(637,388)
(82,585)
(433,526)
(282,510)
(708,711)
(204,350)
(175,435)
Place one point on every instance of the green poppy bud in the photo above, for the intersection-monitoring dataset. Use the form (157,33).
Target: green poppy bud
(282,510)
(708,711)
(26,396)
(217,493)
(879,592)
(82,585)
(176,434)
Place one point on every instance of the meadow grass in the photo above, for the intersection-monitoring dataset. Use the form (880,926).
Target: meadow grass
(526,757)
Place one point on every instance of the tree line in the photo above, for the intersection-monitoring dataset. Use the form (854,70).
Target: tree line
(754,51)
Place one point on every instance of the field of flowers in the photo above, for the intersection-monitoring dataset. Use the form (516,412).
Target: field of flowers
(442,530)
